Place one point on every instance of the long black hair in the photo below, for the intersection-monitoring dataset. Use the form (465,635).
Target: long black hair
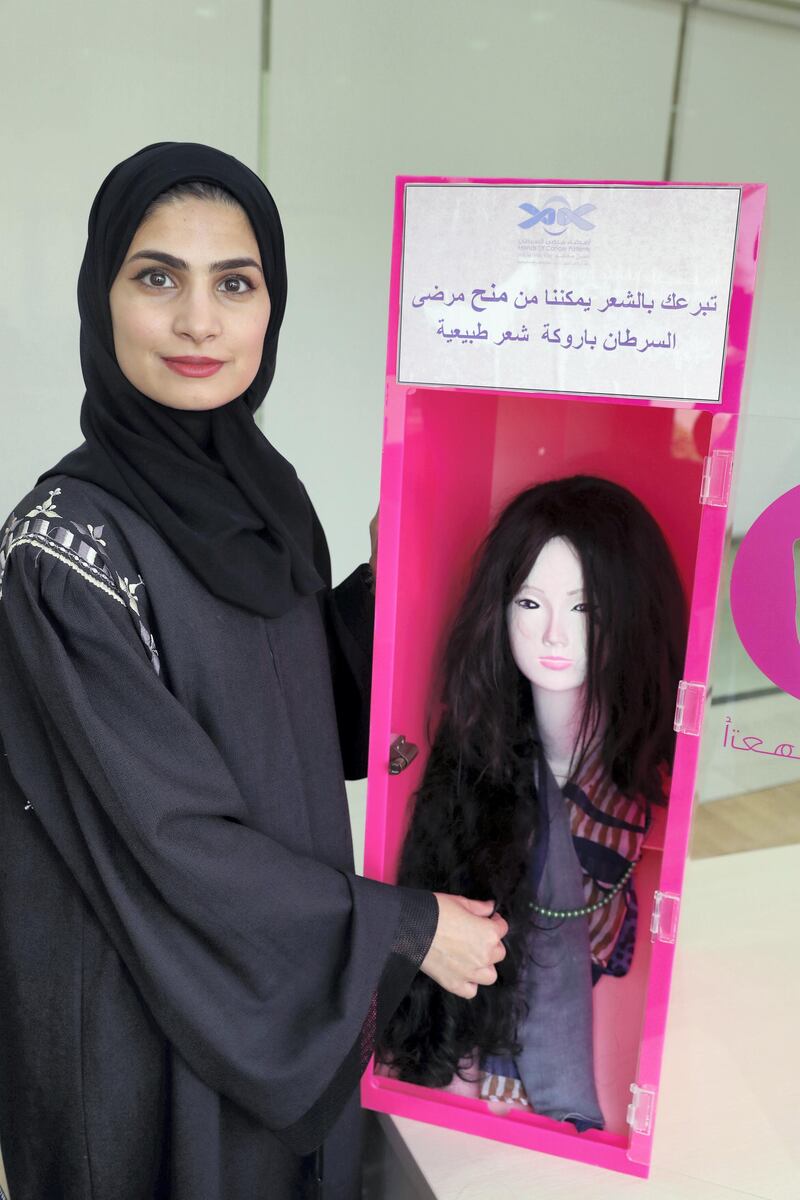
(474,816)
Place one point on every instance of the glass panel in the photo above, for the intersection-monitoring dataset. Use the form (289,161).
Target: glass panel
(751,739)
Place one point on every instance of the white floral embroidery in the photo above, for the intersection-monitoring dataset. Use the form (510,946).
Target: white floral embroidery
(46,508)
(148,639)
(93,532)
(83,556)
(130,591)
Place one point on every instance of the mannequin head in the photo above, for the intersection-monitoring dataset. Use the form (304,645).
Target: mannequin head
(546,621)
(609,601)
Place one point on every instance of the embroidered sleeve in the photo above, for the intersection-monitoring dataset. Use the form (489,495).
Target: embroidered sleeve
(83,549)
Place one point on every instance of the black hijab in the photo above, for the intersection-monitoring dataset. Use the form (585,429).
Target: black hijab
(229,505)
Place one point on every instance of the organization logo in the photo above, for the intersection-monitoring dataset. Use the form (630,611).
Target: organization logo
(556,216)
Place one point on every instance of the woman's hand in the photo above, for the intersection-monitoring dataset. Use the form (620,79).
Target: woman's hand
(467,944)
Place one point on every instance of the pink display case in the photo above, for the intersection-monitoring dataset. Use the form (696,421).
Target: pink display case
(452,457)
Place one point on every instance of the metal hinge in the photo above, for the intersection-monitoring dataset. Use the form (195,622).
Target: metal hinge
(401,753)
(715,485)
(689,708)
(641,1109)
(664,917)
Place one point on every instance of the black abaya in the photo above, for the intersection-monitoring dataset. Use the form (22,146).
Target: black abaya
(189,965)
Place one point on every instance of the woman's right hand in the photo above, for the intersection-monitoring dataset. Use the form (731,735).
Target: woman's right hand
(467,944)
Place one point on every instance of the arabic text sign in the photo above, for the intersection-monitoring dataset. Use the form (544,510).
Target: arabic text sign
(609,290)
(754,744)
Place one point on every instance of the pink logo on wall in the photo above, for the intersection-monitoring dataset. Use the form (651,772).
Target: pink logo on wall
(764,594)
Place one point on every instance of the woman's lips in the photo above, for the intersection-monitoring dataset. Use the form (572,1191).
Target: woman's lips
(196,368)
(556,664)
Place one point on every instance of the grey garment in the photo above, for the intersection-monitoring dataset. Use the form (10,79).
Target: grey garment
(556,1064)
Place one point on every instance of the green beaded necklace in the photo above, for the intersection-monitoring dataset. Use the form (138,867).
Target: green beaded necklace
(589,908)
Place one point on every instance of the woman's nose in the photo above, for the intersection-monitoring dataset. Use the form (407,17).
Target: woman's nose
(196,316)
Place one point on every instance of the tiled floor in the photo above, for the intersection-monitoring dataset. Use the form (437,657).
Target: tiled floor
(753,821)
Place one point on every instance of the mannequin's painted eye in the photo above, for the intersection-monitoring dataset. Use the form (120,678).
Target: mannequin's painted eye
(526,602)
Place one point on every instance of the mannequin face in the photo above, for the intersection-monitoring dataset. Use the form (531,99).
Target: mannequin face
(191,287)
(547,621)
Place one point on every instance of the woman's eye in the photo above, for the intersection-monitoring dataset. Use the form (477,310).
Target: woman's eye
(526,602)
(236,285)
(583,607)
(159,280)
(232,285)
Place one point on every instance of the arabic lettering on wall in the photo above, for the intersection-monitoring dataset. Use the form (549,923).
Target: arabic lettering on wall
(755,745)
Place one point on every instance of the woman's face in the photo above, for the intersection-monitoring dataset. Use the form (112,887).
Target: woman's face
(190,307)
(547,620)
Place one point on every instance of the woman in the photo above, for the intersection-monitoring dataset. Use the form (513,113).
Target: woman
(558,683)
(192,975)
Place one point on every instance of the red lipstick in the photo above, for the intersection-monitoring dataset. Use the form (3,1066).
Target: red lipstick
(195,368)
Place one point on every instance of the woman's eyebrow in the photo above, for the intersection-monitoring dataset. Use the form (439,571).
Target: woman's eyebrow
(180,264)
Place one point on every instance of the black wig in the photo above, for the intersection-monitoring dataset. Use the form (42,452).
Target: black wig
(474,816)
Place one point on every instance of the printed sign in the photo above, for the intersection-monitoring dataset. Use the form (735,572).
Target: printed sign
(615,290)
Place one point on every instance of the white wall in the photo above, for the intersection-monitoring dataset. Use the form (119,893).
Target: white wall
(83,85)
(737,121)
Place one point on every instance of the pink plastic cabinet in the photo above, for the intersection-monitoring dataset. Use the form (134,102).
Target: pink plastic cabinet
(646,392)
